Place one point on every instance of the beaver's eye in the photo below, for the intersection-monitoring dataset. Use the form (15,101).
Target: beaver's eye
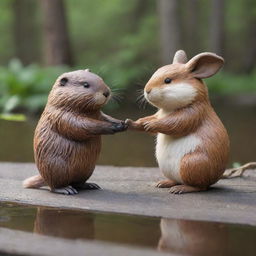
(86,84)
(63,81)
(168,80)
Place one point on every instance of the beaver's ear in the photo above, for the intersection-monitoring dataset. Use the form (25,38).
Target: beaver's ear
(63,81)
(205,64)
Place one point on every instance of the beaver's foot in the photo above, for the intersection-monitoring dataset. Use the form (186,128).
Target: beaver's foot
(86,186)
(181,189)
(166,184)
(69,190)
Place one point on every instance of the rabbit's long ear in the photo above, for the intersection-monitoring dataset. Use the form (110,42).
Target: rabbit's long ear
(180,57)
(205,64)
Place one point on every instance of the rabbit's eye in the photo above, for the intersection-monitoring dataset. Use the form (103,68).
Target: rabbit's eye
(168,80)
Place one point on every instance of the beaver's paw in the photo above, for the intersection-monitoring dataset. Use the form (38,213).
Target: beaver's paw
(116,121)
(129,122)
(119,127)
(123,123)
(69,190)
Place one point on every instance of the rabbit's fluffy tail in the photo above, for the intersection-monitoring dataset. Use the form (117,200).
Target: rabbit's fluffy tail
(34,182)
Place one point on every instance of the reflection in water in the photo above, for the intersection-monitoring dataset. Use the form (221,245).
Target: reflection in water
(171,235)
(75,224)
(66,224)
(206,238)
(94,226)
(135,148)
(193,238)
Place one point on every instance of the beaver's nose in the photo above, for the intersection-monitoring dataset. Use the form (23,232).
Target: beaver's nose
(106,94)
(148,91)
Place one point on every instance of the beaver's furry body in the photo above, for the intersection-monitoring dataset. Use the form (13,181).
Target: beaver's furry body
(62,160)
(67,140)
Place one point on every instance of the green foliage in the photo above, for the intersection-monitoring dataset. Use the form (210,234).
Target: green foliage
(114,39)
(13,117)
(25,87)
(119,40)
(6,42)
(226,83)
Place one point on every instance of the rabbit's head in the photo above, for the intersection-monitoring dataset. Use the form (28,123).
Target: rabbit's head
(179,84)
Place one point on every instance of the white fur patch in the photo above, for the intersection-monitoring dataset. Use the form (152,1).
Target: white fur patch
(163,113)
(170,151)
(172,96)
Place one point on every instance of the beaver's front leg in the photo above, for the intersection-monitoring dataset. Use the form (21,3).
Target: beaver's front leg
(98,127)
(107,118)
(81,128)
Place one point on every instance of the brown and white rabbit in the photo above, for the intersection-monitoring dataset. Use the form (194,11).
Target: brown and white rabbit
(192,144)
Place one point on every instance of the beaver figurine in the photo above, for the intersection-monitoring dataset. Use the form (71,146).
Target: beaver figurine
(67,140)
(192,145)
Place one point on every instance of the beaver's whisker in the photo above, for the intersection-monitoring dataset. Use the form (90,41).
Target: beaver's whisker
(116,98)
(115,94)
(117,89)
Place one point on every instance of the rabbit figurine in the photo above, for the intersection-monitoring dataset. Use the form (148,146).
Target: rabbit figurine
(192,144)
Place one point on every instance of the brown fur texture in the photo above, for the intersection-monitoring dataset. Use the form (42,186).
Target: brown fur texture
(184,115)
(67,140)
(64,224)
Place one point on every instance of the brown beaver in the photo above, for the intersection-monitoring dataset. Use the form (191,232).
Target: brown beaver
(67,139)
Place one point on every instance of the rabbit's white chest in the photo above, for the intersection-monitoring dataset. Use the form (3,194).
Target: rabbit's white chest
(170,151)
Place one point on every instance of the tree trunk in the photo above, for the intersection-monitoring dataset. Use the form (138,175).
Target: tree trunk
(55,33)
(250,49)
(217,34)
(250,59)
(25,31)
(194,44)
(169,28)
(138,14)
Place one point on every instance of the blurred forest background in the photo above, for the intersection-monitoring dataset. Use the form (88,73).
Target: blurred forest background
(123,41)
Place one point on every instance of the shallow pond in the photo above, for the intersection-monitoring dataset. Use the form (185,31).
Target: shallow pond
(135,148)
(164,234)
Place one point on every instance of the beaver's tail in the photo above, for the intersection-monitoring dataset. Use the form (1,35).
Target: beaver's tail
(34,182)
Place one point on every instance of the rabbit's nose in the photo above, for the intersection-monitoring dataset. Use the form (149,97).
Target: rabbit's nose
(148,91)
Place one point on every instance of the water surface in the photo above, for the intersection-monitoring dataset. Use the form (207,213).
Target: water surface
(136,148)
(179,236)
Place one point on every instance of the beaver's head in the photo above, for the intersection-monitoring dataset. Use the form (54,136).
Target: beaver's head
(80,90)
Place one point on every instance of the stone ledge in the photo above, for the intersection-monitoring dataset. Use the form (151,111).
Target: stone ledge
(131,191)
